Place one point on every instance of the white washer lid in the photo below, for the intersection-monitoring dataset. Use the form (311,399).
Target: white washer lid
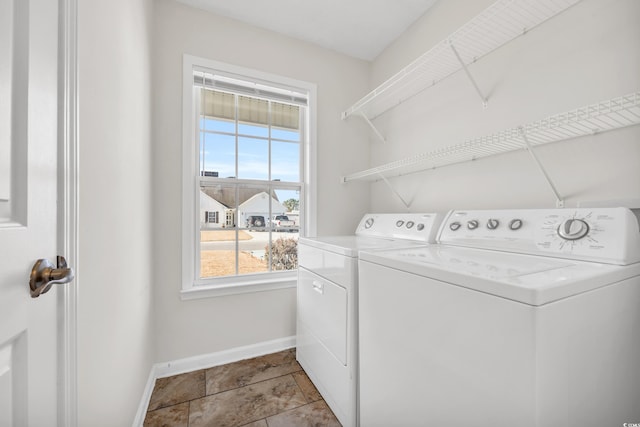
(529,279)
(351,245)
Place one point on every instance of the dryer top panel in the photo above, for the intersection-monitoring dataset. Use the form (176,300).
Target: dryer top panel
(421,227)
(351,245)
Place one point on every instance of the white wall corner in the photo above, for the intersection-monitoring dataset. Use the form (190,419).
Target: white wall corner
(138,421)
(204,361)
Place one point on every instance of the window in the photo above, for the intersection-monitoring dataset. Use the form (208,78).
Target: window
(211,217)
(247,176)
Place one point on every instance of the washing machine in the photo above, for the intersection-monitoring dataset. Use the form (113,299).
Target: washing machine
(328,299)
(526,318)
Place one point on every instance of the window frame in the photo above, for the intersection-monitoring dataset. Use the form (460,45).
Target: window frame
(211,217)
(192,286)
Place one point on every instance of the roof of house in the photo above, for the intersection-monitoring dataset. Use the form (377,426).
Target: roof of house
(227,195)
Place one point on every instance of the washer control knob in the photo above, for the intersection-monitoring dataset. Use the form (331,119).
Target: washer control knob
(515,224)
(454,226)
(399,223)
(573,229)
(410,224)
(473,224)
(492,224)
(368,223)
(420,227)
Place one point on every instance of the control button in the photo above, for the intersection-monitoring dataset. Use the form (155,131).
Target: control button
(368,223)
(410,224)
(515,224)
(420,227)
(473,224)
(399,223)
(454,226)
(492,224)
(573,229)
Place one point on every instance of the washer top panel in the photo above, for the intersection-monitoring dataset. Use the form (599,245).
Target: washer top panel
(529,279)
(607,235)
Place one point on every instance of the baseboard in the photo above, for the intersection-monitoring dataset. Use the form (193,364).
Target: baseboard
(210,360)
(138,421)
(189,364)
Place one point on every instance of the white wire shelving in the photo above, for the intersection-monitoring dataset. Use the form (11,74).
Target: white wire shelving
(604,116)
(495,26)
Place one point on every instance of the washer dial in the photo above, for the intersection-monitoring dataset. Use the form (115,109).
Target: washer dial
(368,223)
(454,226)
(473,224)
(515,224)
(492,223)
(573,229)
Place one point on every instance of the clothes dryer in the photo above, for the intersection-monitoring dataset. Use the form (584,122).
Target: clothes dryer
(527,318)
(328,299)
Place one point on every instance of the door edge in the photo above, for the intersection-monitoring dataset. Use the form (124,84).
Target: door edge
(68,211)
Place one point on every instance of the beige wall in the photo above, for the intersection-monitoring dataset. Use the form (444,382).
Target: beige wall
(190,328)
(115,313)
(588,54)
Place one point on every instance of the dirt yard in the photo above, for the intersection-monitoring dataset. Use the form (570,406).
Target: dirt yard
(217,263)
(223,235)
(223,263)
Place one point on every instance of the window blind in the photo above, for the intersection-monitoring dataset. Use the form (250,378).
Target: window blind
(222,105)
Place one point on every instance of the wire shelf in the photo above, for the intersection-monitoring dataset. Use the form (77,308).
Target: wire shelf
(608,115)
(495,26)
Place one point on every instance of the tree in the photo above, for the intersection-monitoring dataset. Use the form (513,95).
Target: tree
(291,204)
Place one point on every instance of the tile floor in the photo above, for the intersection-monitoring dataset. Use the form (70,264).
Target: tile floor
(266,391)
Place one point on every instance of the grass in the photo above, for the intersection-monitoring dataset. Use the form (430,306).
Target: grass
(223,263)
(223,235)
(218,263)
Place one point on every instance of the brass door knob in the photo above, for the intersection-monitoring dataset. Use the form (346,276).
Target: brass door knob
(44,275)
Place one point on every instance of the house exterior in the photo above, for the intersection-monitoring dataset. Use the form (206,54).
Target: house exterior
(214,214)
(258,205)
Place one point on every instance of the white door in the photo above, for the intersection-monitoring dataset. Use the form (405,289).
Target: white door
(28,220)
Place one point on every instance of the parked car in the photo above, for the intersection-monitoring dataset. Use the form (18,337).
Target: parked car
(256,222)
(282,223)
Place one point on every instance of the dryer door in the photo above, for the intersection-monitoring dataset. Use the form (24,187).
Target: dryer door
(323,310)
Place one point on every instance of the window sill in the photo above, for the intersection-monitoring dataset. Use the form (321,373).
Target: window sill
(199,291)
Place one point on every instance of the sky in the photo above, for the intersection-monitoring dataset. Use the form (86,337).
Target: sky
(253,153)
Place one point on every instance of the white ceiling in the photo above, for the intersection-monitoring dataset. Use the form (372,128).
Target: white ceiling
(358,28)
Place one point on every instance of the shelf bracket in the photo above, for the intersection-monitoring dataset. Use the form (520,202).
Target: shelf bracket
(393,190)
(559,200)
(484,99)
(376,131)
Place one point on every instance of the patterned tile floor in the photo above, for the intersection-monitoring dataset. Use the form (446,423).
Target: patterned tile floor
(266,391)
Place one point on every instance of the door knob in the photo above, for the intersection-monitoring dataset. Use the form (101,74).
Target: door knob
(44,275)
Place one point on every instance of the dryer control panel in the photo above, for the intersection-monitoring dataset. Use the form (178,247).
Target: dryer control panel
(409,226)
(607,235)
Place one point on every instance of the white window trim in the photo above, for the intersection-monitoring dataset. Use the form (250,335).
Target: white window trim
(191,289)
